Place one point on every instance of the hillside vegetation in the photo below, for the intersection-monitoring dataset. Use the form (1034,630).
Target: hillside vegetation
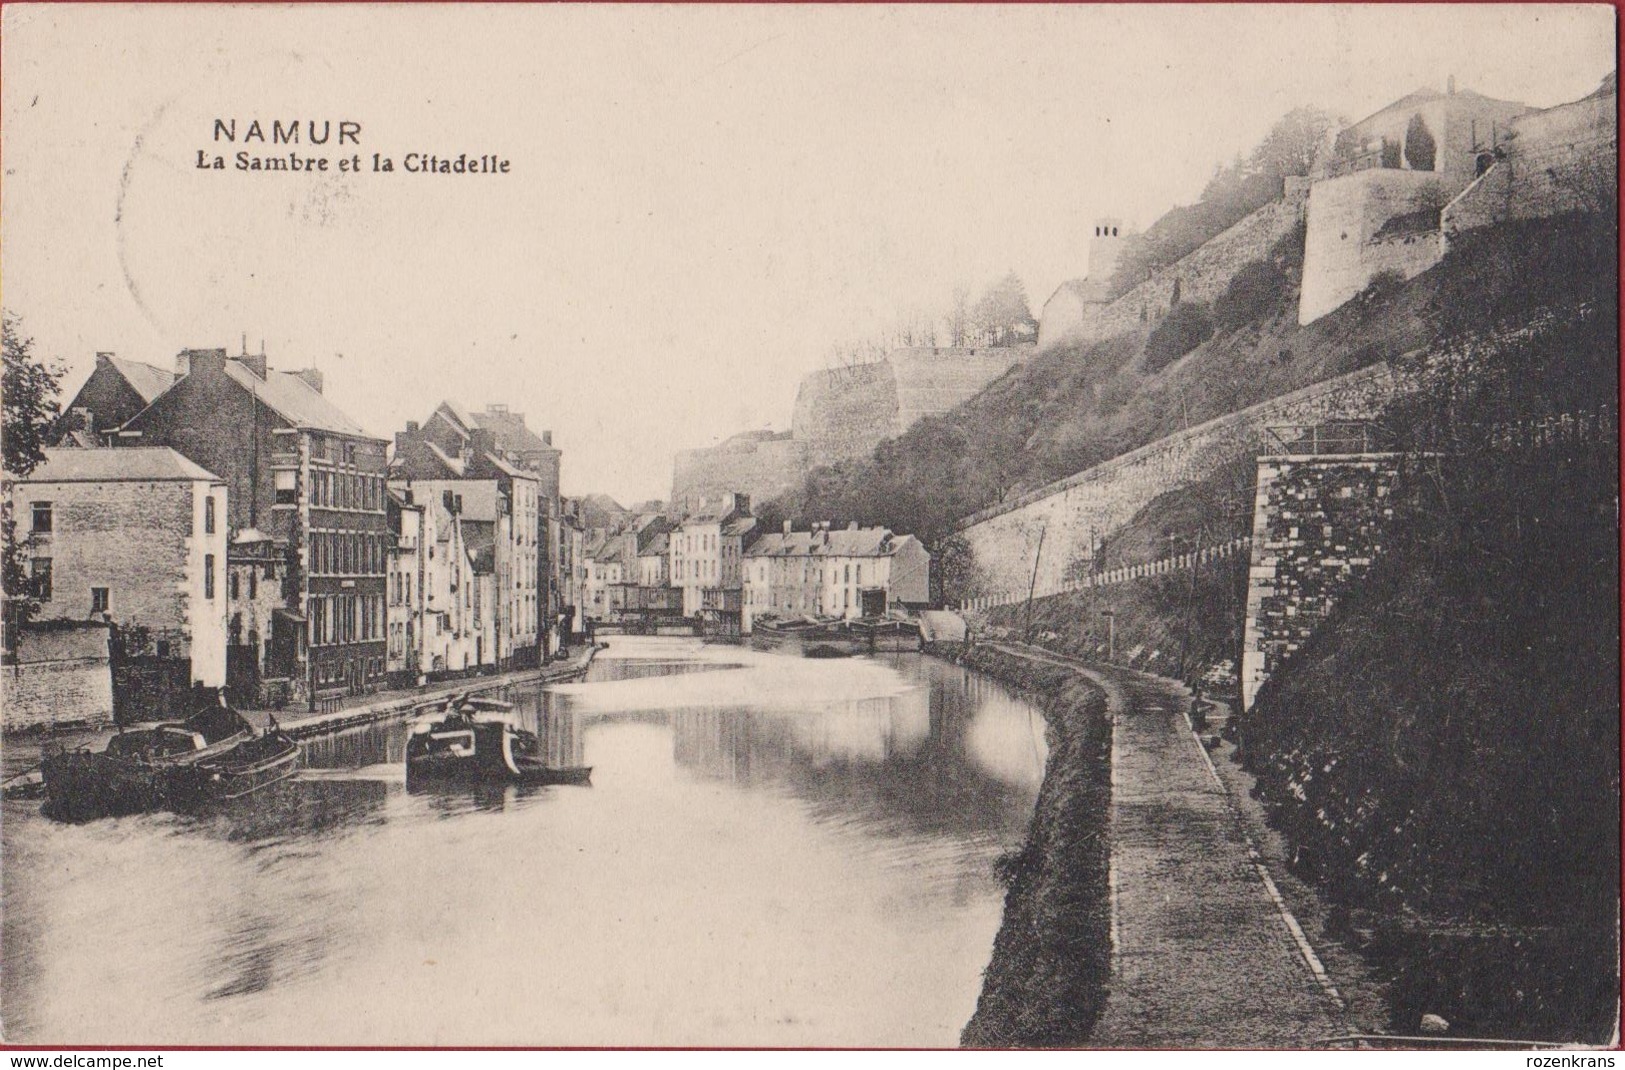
(1074,406)
(1443,756)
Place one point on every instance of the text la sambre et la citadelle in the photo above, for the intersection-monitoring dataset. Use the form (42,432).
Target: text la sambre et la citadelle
(309,143)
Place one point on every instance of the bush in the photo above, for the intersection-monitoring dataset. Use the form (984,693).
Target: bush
(1252,295)
(1383,283)
(1183,329)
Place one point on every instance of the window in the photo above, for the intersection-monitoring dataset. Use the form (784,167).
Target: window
(286,482)
(99,600)
(208,515)
(253,584)
(39,575)
(42,517)
(208,575)
(234,589)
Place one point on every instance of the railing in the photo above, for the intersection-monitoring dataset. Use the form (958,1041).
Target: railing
(1111,577)
(1384,1041)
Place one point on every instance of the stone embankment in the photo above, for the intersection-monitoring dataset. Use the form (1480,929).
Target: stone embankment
(1045,984)
(1203,949)
(19,775)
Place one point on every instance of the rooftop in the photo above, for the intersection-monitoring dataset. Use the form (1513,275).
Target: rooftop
(147,380)
(295,400)
(146,464)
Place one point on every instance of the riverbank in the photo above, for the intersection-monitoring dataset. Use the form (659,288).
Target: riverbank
(20,752)
(1176,935)
(1045,984)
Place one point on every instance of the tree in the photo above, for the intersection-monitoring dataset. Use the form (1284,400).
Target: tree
(1294,143)
(1252,294)
(1002,317)
(958,318)
(30,389)
(1185,327)
(1419,146)
(28,393)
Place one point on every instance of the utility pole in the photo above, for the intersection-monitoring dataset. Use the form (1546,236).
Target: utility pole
(1032,585)
(1111,634)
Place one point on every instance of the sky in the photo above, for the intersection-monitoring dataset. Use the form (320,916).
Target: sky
(700,201)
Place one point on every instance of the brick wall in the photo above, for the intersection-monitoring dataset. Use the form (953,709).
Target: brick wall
(1095,503)
(1317,525)
(60,676)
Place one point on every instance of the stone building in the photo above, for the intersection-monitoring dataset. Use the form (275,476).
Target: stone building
(302,472)
(605,559)
(406,597)
(116,390)
(135,538)
(571,570)
(708,548)
(1375,206)
(1068,310)
(536,454)
(257,572)
(503,508)
(654,561)
(848,573)
(449,586)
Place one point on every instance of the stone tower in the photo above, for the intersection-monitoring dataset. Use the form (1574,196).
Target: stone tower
(1104,249)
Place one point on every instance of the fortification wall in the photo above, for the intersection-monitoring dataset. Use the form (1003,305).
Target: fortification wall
(1343,251)
(762,467)
(1071,515)
(1563,159)
(1201,276)
(932,381)
(845,412)
(1317,524)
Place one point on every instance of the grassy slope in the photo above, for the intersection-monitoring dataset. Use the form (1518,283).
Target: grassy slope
(1444,755)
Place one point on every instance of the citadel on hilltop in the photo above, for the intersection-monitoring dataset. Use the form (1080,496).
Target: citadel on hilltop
(1388,196)
(1385,199)
(841,414)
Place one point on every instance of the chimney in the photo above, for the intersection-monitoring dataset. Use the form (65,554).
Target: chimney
(193,361)
(103,359)
(547,438)
(254,362)
(1450,86)
(312,376)
(411,427)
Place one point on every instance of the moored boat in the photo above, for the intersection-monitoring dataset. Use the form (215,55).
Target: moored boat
(212,756)
(477,740)
(829,637)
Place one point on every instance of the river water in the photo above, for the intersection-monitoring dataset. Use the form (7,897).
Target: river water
(773,851)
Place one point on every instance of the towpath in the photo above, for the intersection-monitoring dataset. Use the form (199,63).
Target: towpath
(1205,952)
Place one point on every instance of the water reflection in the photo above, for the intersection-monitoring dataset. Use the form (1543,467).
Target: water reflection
(774,851)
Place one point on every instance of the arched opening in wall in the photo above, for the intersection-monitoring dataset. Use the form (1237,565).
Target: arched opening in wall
(1420,148)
